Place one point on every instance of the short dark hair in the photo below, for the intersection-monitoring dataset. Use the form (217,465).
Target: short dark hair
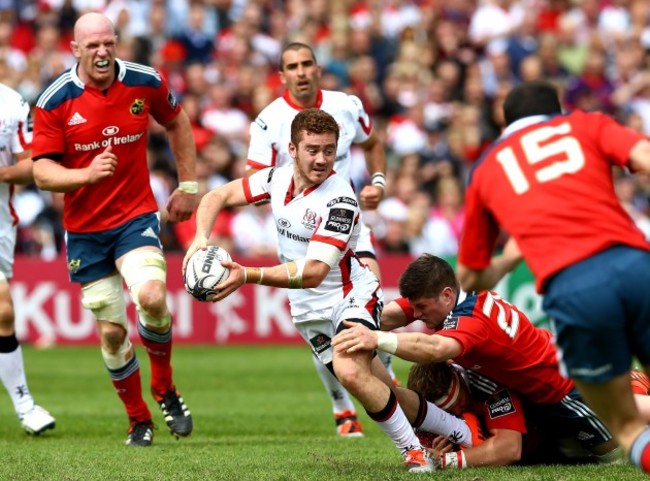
(430,380)
(531,98)
(427,276)
(314,121)
(295,46)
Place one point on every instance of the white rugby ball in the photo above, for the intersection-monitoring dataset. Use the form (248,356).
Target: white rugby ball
(204,272)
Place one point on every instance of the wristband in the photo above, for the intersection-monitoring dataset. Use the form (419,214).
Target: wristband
(378,179)
(189,187)
(387,341)
(455,459)
(255,271)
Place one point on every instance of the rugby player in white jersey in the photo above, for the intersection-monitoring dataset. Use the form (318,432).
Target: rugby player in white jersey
(317,217)
(269,147)
(15,168)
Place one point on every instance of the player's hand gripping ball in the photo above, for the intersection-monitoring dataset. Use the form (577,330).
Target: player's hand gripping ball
(204,272)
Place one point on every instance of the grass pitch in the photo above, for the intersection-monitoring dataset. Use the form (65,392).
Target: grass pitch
(260,413)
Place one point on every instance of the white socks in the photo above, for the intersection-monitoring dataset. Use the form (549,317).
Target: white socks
(12,374)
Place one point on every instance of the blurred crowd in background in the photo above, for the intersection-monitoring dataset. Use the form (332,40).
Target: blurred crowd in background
(431,73)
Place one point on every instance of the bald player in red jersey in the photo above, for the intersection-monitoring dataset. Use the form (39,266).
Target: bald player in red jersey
(488,335)
(90,140)
(548,182)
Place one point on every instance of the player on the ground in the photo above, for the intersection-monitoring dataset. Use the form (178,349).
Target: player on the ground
(318,224)
(15,168)
(90,140)
(512,435)
(487,334)
(548,182)
(270,135)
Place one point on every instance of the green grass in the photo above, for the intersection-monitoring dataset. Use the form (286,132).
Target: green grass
(260,413)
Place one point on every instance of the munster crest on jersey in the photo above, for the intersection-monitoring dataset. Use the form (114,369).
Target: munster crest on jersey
(73,265)
(137,107)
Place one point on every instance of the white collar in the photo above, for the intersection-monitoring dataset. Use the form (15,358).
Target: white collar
(74,76)
(523,123)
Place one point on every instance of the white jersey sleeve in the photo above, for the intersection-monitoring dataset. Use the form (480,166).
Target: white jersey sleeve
(257,186)
(338,222)
(261,148)
(15,119)
(362,120)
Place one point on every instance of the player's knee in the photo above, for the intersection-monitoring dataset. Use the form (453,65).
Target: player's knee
(113,337)
(119,354)
(6,309)
(348,374)
(152,298)
(145,273)
(105,299)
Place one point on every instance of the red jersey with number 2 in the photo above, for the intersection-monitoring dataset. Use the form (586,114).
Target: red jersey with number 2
(499,342)
(550,186)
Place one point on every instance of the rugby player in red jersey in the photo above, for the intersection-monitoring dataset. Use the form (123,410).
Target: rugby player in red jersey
(488,335)
(90,141)
(548,182)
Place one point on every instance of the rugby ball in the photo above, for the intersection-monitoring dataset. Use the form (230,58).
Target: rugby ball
(204,272)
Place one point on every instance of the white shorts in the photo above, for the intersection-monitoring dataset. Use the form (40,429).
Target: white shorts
(7,252)
(363,303)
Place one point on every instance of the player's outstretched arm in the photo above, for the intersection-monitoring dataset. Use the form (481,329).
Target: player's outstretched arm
(640,157)
(301,274)
(371,195)
(19,173)
(228,195)
(182,202)
(501,448)
(393,317)
(410,346)
(478,280)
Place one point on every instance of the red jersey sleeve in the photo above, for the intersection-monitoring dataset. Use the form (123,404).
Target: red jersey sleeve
(405,305)
(479,235)
(47,133)
(613,139)
(164,105)
(468,331)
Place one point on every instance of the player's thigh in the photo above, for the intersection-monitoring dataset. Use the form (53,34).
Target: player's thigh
(595,306)
(7,253)
(571,418)
(142,231)
(91,256)
(317,329)
(364,304)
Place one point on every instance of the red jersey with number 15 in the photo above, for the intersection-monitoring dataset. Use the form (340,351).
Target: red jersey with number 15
(548,183)
(75,122)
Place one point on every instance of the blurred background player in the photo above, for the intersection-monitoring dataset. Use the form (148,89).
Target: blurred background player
(269,147)
(15,168)
(90,138)
(549,183)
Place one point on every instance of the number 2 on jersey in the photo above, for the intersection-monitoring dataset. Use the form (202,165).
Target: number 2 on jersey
(536,149)
(507,318)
